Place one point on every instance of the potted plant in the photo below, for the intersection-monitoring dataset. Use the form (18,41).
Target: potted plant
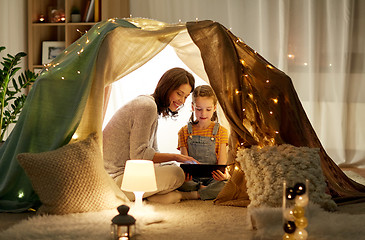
(12,96)
(75,14)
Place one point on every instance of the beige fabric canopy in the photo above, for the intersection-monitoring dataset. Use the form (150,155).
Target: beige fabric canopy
(259,101)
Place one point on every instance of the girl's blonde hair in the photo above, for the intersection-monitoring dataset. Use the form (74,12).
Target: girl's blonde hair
(204,91)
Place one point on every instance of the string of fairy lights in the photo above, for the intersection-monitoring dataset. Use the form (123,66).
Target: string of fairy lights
(246,74)
(249,78)
(82,46)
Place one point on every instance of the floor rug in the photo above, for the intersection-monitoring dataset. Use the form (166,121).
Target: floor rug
(194,220)
(186,220)
(322,225)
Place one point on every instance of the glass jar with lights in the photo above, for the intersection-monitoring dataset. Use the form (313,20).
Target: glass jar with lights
(123,225)
(295,217)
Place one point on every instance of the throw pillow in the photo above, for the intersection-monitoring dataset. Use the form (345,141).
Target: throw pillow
(72,179)
(266,169)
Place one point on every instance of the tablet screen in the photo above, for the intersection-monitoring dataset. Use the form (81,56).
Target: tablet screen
(202,170)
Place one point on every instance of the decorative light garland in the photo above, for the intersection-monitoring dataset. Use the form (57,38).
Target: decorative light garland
(275,100)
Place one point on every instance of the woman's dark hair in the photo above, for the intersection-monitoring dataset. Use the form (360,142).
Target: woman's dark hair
(170,81)
(204,91)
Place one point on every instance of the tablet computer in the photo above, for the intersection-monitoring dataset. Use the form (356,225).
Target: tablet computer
(202,170)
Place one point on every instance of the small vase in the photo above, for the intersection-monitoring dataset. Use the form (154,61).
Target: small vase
(75,17)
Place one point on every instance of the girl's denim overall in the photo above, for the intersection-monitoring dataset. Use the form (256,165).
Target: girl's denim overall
(202,149)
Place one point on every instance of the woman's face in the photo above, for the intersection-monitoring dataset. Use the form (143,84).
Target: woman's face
(178,96)
(204,108)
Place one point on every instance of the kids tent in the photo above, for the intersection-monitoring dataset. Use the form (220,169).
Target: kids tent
(68,100)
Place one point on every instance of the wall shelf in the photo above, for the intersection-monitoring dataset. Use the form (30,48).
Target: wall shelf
(65,31)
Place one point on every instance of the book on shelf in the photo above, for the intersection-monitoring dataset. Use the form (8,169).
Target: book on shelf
(97,10)
(90,12)
(86,11)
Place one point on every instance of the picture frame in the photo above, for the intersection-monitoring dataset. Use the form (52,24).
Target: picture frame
(37,70)
(51,49)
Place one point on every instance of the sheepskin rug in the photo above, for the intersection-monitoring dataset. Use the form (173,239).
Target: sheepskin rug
(196,220)
(192,219)
(322,225)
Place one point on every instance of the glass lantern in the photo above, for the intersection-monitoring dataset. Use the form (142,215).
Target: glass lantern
(123,225)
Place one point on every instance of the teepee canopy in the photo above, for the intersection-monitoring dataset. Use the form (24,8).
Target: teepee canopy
(68,100)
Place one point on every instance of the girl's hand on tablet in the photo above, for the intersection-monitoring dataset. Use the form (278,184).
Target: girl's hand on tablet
(188,177)
(219,176)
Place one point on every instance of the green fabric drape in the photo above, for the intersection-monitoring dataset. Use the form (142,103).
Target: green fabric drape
(67,99)
(260,102)
(51,113)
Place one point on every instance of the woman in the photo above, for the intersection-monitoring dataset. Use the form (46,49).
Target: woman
(131,134)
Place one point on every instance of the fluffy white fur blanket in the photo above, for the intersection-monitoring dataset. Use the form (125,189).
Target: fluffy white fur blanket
(80,226)
(322,225)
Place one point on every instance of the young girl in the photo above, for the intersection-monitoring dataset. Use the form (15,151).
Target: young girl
(206,141)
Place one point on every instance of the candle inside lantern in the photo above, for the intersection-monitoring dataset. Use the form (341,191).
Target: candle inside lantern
(41,18)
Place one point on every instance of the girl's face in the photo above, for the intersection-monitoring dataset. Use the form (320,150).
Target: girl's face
(178,96)
(204,108)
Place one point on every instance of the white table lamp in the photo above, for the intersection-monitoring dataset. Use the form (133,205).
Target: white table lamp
(139,177)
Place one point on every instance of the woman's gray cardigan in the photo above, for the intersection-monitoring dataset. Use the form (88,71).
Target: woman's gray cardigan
(130,134)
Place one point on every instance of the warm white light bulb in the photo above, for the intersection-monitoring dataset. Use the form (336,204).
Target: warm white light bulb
(302,200)
(288,214)
(20,194)
(75,136)
(301,234)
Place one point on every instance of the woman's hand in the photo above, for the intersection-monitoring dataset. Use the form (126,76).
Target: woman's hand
(167,157)
(219,176)
(185,159)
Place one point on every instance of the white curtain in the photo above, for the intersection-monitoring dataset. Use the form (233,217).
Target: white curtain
(13,26)
(13,31)
(320,44)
